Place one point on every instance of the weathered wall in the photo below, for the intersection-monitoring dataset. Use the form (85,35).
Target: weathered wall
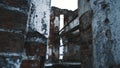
(37,33)
(83,6)
(86,47)
(71,53)
(106,37)
(105,31)
(24,30)
(30,64)
(68,16)
(54,40)
(39,16)
(70,36)
(13,20)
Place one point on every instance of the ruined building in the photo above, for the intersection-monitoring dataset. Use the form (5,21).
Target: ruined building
(55,34)
(30,31)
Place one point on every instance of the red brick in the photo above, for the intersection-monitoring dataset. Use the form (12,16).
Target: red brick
(30,64)
(11,42)
(16,3)
(35,49)
(12,20)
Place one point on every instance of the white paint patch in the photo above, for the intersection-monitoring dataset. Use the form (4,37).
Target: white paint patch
(13,8)
(10,54)
(9,30)
(36,39)
(40,16)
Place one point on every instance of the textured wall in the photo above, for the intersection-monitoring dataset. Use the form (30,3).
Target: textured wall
(106,37)
(37,33)
(39,16)
(30,64)
(86,47)
(13,20)
(83,6)
(54,34)
(70,36)
(71,53)
(15,17)
(105,31)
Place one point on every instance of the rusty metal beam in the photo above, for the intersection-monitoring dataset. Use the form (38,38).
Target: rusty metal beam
(72,30)
(68,23)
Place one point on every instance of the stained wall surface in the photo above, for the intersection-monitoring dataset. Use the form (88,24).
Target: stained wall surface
(16,22)
(105,31)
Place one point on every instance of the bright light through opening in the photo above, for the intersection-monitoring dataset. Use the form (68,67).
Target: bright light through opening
(61,43)
(61,21)
(61,52)
(65,4)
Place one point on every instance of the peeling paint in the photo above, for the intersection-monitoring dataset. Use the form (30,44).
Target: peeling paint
(39,17)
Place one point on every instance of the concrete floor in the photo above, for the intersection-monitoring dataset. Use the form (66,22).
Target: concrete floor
(63,65)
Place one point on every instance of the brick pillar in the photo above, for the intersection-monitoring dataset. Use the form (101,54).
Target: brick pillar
(13,20)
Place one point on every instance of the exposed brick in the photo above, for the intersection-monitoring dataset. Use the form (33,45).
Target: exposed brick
(11,42)
(35,49)
(30,64)
(23,4)
(12,20)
